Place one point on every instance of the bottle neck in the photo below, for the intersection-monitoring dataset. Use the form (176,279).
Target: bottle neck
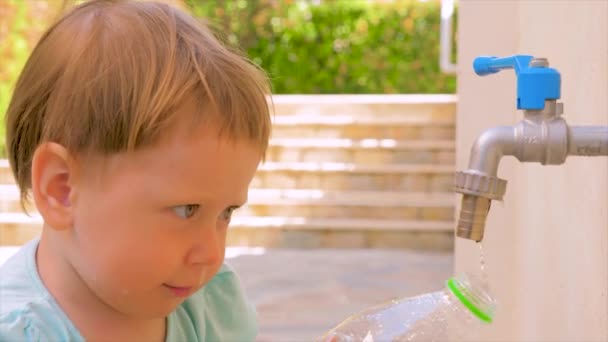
(473,295)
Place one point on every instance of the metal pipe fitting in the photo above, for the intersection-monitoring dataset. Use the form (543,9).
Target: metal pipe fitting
(490,147)
(473,213)
(543,137)
(588,141)
(479,184)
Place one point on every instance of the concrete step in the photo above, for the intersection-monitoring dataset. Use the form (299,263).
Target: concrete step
(339,176)
(381,130)
(337,167)
(355,212)
(367,116)
(302,238)
(317,203)
(361,151)
(10,201)
(313,202)
(354,177)
(389,144)
(304,232)
(16,229)
(9,198)
(342,171)
(426,109)
(348,198)
(349,119)
(6,175)
(338,224)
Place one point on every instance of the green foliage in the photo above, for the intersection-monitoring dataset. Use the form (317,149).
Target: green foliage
(13,50)
(21,24)
(306,46)
(340,46)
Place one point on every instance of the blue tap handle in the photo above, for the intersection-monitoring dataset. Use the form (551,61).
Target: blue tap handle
(485,65)
(535,85)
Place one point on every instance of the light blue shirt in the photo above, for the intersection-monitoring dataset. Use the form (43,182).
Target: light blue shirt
(28,312)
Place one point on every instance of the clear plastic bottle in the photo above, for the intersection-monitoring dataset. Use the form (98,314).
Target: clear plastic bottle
(456,313)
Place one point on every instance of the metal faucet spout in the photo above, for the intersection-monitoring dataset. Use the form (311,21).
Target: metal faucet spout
(543,136)
(490,147)
(479,184)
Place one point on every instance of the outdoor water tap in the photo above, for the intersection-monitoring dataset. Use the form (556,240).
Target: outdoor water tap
(543,136)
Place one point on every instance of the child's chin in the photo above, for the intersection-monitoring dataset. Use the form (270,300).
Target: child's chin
(162,310)
(165,311)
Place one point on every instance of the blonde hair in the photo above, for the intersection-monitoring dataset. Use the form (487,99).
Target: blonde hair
(107,77)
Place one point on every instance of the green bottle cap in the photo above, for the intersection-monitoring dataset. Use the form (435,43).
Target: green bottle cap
(483,312)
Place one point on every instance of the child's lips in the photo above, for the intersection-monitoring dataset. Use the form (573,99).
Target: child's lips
(180,291)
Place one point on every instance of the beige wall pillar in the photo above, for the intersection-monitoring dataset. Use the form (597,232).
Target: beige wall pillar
(546,246)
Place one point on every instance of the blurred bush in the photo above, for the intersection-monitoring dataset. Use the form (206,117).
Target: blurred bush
(22,22)
(339,46)
(306,46)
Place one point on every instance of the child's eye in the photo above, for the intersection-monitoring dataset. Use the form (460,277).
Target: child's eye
(186,211)
(227,214)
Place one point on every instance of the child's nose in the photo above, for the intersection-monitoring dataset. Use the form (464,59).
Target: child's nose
(208,247)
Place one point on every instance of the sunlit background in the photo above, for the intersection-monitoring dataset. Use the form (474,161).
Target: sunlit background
(307,47)
(353,205)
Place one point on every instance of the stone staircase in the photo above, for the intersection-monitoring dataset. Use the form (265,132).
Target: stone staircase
(341,171)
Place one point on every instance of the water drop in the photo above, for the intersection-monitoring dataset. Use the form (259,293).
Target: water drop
(482,265)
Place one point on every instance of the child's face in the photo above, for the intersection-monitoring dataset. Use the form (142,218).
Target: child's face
(151,228)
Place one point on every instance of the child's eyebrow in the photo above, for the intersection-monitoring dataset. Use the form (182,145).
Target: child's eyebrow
(238,203)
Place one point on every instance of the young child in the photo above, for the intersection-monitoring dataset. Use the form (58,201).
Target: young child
(137,134)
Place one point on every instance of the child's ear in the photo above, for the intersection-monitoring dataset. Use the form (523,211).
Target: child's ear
(53,173)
